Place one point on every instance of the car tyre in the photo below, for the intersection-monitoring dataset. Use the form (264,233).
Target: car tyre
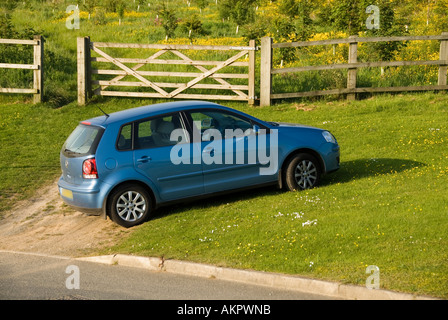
(302,172)
(130,205)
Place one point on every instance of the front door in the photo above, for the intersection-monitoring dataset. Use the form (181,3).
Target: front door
(229,150)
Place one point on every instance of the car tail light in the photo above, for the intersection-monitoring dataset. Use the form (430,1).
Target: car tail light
(89,170)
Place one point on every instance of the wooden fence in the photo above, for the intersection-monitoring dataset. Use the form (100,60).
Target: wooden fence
(37,67)
(241,56)
(266,72)
(245,92)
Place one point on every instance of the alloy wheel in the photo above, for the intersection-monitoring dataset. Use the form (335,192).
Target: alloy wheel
(131,206)
(306,174)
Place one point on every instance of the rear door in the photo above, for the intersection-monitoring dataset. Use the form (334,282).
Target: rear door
(155,156)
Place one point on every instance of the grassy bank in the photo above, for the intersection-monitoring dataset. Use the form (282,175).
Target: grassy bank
(387,206)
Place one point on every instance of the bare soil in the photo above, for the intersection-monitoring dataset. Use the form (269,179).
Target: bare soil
(44,224)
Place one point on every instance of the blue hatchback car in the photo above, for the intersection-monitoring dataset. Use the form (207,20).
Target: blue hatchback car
(127,164)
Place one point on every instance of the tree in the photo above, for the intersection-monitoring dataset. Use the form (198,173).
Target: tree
(202,4)
(239,11)
(349,15)
(89,6)
(193,26)
(6,27)
(169,20)
(389,26)
(112,5)
(441,15)
(293,23)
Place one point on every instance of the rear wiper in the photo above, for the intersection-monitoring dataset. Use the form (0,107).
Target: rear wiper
(71,152)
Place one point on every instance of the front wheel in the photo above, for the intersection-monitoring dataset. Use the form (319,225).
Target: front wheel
(130,205)
(302,172)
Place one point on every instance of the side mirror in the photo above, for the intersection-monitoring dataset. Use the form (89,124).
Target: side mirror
(256,129)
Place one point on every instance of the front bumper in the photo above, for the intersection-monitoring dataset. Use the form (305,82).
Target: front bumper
(332,158)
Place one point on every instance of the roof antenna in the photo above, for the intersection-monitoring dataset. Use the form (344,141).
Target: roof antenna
(103,112)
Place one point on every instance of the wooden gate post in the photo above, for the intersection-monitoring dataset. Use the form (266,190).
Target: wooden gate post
(38,73)
(265,72)
(352,72)
(443,57)
(84,72)
(251,82)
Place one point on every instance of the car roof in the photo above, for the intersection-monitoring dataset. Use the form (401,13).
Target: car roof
(152,110)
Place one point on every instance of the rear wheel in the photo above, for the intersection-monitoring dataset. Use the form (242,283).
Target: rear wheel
(302,172)
(130,205)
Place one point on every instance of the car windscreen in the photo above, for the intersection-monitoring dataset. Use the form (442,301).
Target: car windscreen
(82,141)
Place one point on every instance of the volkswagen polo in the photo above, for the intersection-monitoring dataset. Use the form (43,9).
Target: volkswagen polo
(126,164)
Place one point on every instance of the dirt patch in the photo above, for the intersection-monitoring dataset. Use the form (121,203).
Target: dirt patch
(44,224)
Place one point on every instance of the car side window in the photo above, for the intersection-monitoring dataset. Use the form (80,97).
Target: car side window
(225,123)
(156,132)
(125,138)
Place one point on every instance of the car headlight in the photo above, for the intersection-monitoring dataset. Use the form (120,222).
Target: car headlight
(329,137)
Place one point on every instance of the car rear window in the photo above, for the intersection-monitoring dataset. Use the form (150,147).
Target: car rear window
(82,141)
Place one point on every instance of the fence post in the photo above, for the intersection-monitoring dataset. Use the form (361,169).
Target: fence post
(444,57)
(38,74)
(251,91)
(84,72)
(352,72)
(265,71)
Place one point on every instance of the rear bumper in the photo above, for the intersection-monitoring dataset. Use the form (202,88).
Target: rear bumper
(84,198)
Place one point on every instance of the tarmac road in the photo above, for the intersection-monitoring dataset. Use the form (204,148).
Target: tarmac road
(26,276)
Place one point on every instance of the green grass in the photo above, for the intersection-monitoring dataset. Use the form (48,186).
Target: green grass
(386,206)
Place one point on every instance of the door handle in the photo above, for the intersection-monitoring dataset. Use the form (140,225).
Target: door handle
(209,150)
(144,159)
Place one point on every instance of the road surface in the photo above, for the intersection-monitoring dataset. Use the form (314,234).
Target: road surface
(41,277)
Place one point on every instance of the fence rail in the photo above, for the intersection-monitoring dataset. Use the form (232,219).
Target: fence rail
(244,90)
(37,67)
(266,95)
(85,72)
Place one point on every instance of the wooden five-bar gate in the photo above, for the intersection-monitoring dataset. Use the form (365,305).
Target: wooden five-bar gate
(244,57)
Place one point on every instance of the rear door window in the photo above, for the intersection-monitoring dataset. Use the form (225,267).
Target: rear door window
(82,141)
(156,132)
